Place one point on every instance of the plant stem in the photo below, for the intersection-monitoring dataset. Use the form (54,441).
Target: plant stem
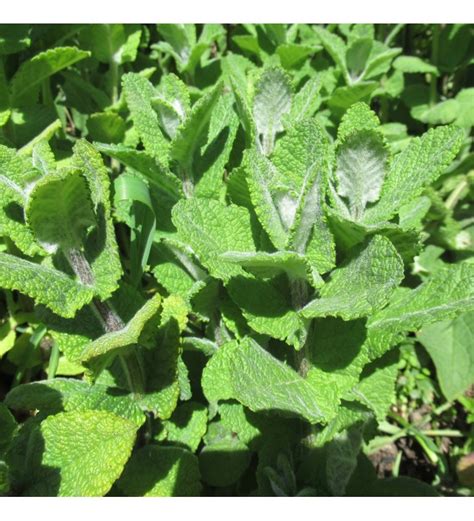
(53,361)
(111,322)
(393,33)
(434,61)
(299,297)
(455,195)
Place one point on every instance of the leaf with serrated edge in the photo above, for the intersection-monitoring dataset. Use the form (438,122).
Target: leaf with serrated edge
(251,375)
(126,336)
(45,285)
(211,228)
(272,100)
(361,286)
(417,166)
(138,94)
(88,449)
(446,294)
(67,394)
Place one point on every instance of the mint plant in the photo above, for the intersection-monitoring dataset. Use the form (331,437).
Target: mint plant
(222,274)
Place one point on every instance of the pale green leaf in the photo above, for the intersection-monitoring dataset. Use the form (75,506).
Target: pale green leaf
(362,163)
(190,134)
(376,389)
(417,166)
(413,64)
(358,117)
(268,309)
(272,100)
(59,210)
(335,47)
(101,247)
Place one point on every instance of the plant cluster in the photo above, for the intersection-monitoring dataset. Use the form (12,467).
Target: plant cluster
(235,260)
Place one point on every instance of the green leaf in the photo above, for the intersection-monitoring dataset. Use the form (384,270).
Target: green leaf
(59,211)
(187,425)
(190,134)
(446,294)
(439,114)
(417,166)
(126,336)
(14,38)
(61,394)
(376,388)
(8,427)
(305,102)
(252,376)
(156,471)
(132,192)
(465,98)
(344,97)
(212,164)
(358,117)
(139,93)
(337,352)
(268,203)
(271,101)
(450,343)
(172,104)
(101,249)
(33,71)
(111,42)
(86,449)
(357,55)
(265,264)
(224,458)
(267,309)
(362,285)
(45,285)
(106,126)
(17,173)
(302,159)
(335,47)
(413,64)
(211,228)
(293,55)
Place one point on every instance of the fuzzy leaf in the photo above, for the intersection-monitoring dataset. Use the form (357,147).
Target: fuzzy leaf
(211,228)
(139,93)
(419,165)
(272,100)
(45,285)
(126,336)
